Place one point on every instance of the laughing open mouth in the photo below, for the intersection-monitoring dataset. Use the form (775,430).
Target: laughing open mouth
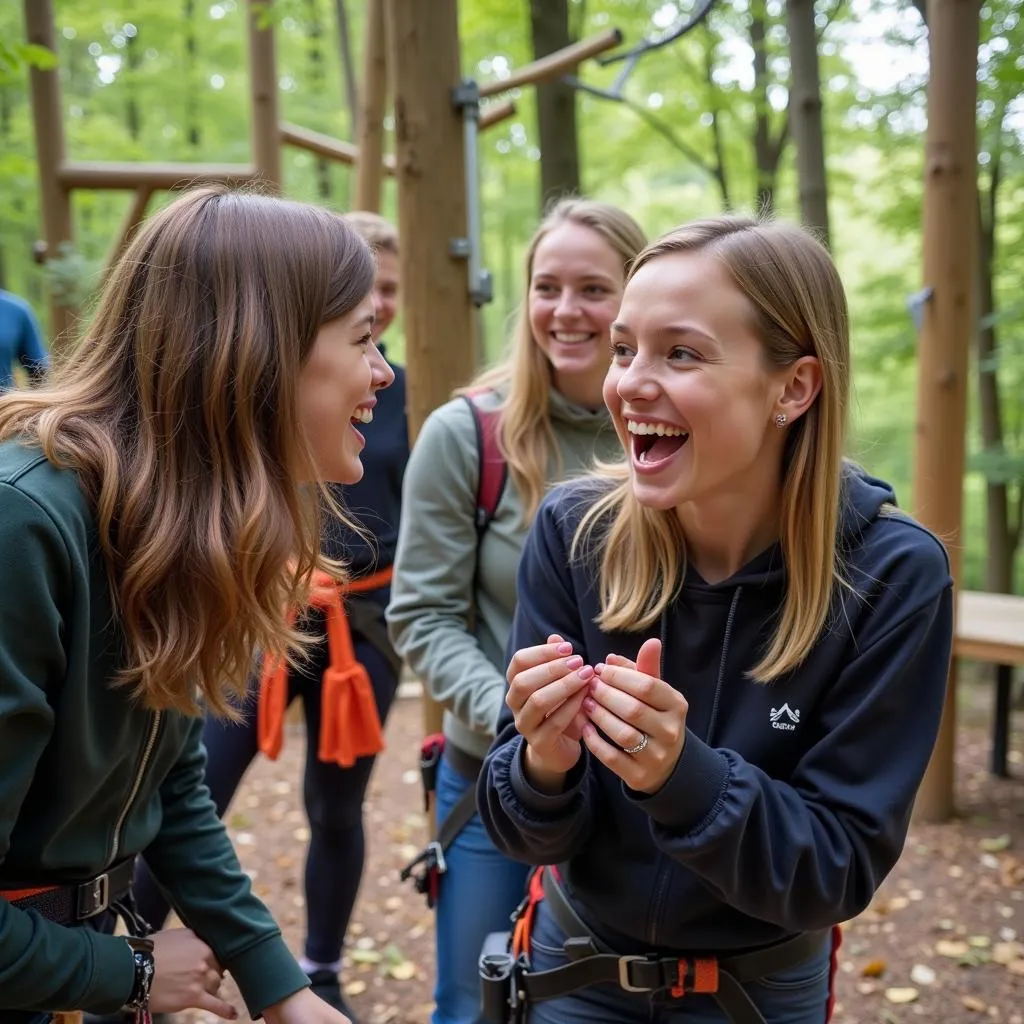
(655,442)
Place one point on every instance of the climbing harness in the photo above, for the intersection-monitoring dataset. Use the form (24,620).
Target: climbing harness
(508,985)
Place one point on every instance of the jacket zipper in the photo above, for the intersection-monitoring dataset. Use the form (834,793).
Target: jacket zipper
(665,868)
(721,664)
(147,753)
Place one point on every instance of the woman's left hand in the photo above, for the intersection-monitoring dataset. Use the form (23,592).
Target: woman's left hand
(303,1008)
(638,710)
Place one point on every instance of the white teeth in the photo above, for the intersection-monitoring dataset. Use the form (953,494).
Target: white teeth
(570,339)
(661,429)
(363,415)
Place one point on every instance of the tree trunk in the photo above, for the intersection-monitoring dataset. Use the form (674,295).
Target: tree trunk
(315,56)
(767,148)
(805,110)
(1002,534)
(431,176)
(133,60)
(377,66)
(950,268)
(556,105)
(192,130)
(348,67)
(714,99)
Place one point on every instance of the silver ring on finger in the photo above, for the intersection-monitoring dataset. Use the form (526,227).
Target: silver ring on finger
(639,747)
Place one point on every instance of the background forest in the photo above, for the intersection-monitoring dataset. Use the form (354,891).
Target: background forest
(701,125)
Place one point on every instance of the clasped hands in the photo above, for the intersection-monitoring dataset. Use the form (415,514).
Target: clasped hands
(559,702)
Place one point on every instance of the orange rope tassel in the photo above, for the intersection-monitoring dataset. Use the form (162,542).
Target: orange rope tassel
(349,721)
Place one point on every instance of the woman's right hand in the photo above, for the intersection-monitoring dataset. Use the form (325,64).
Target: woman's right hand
(547,685)
(187,975)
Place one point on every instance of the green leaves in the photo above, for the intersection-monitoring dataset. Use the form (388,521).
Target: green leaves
(15,57)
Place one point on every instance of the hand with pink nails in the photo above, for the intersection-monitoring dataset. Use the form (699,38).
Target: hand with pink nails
(547,686)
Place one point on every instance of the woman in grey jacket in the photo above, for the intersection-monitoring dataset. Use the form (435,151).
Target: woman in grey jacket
(454,588)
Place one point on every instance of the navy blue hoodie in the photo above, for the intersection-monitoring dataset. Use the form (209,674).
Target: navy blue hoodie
(790,802)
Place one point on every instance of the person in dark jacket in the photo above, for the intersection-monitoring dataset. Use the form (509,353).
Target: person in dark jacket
(157,520)
(333,790)
(730,652)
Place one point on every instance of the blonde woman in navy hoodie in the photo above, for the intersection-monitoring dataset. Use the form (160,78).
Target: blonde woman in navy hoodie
(730,659)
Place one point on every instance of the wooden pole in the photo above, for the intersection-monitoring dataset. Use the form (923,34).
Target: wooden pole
(950,264)
(348,153)
(372,100)
(54,198)
(266,142)
(132,219)
(495,113)
(554,64)
(328,146)
(156,177)
(431,176)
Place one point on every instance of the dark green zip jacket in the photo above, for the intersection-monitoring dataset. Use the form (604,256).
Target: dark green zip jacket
(87,777)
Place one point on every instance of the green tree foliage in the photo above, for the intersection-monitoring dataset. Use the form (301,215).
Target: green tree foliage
(166,80)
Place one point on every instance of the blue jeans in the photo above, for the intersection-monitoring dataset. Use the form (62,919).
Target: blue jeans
(798,995)
(478,894)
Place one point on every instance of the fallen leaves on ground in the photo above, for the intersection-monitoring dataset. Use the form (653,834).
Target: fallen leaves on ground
(942,942)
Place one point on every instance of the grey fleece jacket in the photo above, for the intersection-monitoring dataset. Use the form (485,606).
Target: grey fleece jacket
(449,623)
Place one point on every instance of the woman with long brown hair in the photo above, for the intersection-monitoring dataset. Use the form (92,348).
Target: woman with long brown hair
(334,782)
(731,655)
(159,516)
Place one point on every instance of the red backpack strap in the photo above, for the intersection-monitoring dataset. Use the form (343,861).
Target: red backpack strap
(493,467)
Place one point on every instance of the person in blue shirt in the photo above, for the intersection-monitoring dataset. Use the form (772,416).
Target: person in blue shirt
(21,341)
(731,652)
(333,794)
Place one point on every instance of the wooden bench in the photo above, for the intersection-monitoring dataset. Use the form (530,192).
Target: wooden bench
(990,628)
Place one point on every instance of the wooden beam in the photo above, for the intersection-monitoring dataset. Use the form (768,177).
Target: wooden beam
(156,177)
(372,101)
(495,113)
(266,143)
(132,219)
(950,265)
(437,311)
(327,146)
(54,198)
(554,64)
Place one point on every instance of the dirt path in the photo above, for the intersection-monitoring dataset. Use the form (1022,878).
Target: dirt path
(943,941)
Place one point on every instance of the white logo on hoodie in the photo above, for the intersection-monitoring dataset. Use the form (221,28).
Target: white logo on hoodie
(785,718)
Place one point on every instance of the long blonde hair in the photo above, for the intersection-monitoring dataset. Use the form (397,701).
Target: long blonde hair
(525,434)
(800,309)
(179,411)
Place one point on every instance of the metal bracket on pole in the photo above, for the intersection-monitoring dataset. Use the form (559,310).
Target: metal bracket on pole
(466,99)
(916,304)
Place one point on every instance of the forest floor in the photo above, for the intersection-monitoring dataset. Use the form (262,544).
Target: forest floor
(942,941)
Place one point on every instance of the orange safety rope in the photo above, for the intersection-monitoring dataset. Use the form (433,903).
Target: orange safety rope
(524,923)
(349,721)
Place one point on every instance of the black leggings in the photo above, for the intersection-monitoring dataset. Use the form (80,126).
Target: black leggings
(333,797)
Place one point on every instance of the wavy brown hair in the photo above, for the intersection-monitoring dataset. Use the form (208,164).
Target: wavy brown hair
(179,411)
(525,433)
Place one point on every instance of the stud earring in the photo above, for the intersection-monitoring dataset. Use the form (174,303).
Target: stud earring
(780,420)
